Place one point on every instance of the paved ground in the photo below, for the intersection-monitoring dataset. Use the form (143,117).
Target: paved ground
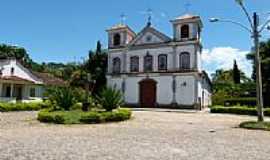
(149,135)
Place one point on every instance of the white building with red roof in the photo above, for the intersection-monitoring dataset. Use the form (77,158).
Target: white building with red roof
(17,83)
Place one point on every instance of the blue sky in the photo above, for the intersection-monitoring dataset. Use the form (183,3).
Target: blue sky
(64,30)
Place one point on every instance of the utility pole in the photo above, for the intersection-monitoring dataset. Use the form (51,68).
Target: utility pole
(256,36)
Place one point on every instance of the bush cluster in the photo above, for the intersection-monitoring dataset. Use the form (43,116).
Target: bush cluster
(238,110)
(8,107)
(77,117)
(246,101)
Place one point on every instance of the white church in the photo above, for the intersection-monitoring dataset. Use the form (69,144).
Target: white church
(155,70)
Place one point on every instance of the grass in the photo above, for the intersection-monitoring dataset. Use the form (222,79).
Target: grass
(254,125)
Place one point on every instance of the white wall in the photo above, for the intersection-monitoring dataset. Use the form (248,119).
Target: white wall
(164,90)
(185,94)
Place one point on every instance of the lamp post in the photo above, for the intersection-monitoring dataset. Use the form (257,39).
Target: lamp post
(255,30)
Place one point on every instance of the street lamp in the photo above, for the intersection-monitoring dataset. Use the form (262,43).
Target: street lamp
(255,30)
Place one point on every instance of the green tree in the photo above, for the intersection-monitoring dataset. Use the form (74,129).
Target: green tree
(265,56)
(97,67)
(236,73)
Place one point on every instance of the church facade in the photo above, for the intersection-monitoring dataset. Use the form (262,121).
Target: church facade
(154,70)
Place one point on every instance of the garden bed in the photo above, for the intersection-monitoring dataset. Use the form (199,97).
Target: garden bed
(256,125)
(80,117)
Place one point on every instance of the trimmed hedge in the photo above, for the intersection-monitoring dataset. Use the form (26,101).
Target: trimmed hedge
(9,107)
(101,117)
(238,110)
(78,117)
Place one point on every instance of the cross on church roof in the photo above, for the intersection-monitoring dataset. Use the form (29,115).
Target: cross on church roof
(187,7)
(123,18)
(149,14)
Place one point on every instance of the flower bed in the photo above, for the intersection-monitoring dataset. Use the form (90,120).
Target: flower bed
(80,117)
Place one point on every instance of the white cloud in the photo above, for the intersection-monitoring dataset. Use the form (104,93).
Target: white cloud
(223,57)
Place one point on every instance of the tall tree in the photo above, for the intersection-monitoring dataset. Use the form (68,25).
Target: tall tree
(99,48)
(236,73)
(97,67)
(265,56)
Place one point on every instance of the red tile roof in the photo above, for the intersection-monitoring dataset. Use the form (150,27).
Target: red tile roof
(16,79)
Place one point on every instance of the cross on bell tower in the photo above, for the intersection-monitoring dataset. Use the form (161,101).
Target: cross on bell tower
(123,19)
(187,7)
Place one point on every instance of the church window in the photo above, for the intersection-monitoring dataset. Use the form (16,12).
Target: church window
(134,64)
(116,65)
(149,38)
(162,62)
(117,39)
(184,60)
(185,31)
(148,63)
(12,71)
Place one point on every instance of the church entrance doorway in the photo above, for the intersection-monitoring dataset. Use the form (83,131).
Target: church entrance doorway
(148,93)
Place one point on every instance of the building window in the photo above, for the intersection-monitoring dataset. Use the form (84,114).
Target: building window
(185,31)
(162,62)
(117,39)
(116,65)
(184,60)
(32,92)
(148,63)
(134,64)
(12,71)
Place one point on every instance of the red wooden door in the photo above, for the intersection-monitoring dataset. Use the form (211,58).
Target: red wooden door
(148,93)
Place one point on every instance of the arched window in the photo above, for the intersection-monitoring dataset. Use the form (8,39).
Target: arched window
(116,65)
(162,62)
(117,39)
(148,63)
(134,64)
(184,60)
(185,31)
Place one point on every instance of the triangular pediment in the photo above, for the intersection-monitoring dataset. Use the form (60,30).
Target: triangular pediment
(150,35)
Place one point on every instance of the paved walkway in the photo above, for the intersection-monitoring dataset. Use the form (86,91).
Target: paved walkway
(148,136)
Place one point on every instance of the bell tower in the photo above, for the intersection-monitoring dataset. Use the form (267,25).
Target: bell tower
(187,28)
(119,36)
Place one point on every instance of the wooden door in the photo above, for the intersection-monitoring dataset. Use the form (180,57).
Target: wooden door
(148,93)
